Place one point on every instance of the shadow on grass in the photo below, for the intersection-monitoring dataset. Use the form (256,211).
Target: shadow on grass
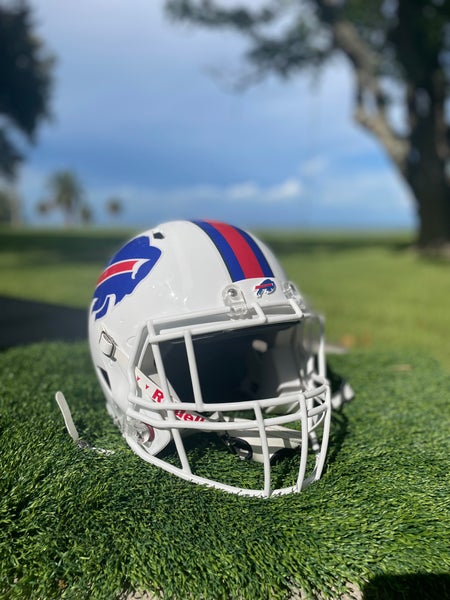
(338,433)
(426,586)
(26,322)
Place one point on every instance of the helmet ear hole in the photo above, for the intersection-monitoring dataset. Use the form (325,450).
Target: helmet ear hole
(147,365)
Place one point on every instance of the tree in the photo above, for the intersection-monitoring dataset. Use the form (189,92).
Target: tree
(399,51)
(114,206)
(86,214)
(5,207)
(9,205)
(65,194)
(25,82)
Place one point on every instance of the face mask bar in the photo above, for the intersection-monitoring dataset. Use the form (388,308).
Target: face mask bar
(154,404)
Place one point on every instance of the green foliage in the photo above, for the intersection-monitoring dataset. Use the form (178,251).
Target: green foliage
(286,37)
(66,194)
(77,524)
(25,80)
(391,47)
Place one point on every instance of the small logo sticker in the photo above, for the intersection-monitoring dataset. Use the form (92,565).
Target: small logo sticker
(265,287)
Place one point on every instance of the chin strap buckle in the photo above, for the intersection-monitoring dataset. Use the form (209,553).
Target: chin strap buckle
(70,426)
(241,448)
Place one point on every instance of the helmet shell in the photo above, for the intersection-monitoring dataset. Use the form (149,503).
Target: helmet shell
(187,278)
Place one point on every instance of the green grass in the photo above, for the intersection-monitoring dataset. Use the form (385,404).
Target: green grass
(79,525)
(374,292)
(55,266)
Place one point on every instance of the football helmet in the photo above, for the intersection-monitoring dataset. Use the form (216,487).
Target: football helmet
(202,345)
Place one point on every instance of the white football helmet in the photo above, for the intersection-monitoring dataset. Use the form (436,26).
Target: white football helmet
(203,346)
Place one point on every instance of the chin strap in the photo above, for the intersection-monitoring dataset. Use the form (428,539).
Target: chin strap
(70,426)
(64,408)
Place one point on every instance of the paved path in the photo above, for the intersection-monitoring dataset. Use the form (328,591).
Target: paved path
(26,322)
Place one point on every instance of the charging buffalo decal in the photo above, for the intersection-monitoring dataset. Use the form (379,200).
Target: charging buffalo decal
(123,274)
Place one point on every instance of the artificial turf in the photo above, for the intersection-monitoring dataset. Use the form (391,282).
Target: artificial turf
(78,524)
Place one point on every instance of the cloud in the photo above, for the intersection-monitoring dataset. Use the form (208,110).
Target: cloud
(381,191)
(314,166)
(137,116)
(287,190)
(366,198)
(244,191)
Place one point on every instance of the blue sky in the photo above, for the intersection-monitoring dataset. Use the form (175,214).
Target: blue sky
(142,109)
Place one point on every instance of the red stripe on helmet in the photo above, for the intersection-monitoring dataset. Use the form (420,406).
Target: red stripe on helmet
(247,259)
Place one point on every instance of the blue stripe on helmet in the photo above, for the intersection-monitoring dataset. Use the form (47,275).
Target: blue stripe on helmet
(227,253)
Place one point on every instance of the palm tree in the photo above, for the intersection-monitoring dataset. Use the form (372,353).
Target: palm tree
(114,206)
(65,194)
(9,205)
(86,214)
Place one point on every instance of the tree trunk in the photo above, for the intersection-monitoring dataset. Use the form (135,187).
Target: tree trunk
(433,208)
(426,166)
(429,151)
(421,157)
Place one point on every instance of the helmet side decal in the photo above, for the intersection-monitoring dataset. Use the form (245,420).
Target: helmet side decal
(242,256)
(125,271)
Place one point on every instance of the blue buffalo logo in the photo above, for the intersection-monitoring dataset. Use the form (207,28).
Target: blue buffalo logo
(265,287)
(124,272)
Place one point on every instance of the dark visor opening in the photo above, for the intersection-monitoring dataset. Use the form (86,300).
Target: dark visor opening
(230,365)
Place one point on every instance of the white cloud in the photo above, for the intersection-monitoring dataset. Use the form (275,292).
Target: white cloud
(314,166)
(287,190)
(244,191)
(382,190)
(137,116)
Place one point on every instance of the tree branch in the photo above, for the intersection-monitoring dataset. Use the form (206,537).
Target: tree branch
(207,13)
(370,99)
